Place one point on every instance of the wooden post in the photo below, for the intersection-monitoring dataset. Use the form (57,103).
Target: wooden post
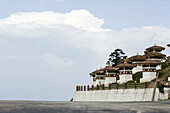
(154,90)
(125,85)
(97,88)
(76,88)
(103,86)
(117,85)
(135,84)
(84,87)
(87,87)
(92,87)
(110,86)
(81,88)
(146,84)
(158,84)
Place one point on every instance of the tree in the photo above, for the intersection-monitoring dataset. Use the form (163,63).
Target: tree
(115,57)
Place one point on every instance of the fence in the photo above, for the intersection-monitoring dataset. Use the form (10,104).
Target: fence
(134,85)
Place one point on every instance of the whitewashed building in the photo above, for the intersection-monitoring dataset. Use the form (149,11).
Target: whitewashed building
(149,70)
(98,77)
(110,75)
(125,72)
(136,61)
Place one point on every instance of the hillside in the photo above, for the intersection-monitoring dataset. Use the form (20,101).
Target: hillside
(163,76)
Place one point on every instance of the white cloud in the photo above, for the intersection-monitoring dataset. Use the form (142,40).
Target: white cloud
(81,19)
(56,47)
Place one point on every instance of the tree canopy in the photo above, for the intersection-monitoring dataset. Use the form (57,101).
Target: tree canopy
(115,57)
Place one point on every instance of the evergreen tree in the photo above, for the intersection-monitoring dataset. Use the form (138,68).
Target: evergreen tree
(115,57)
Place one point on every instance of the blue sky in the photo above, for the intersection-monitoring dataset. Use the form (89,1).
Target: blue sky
(116,13)
(47,47)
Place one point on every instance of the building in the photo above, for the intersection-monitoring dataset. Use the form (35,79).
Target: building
(110,75)
(125,72)
(98,77)
(149,70)
(148,64)
(136,61)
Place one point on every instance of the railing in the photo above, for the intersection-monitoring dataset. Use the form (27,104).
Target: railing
(126,85)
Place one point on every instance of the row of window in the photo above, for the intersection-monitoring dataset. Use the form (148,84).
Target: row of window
(152,70)
(126,72)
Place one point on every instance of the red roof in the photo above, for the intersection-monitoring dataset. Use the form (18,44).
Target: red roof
(151,62)
(157,54)
(137,58)
(155,47)
(125,65)
(126,60)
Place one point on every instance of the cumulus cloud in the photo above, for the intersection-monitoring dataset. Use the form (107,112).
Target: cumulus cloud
(62,48)
(81,19)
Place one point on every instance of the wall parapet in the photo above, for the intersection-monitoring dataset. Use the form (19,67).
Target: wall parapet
(121,95)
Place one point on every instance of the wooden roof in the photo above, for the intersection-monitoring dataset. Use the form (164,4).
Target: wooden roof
(109,68)
(154,62)
(146,52)
(157,54)
(126,60)
(155,48)
(120,65)
(137,58)
(102,70)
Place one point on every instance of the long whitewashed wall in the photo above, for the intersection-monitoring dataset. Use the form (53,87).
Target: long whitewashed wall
(121,95)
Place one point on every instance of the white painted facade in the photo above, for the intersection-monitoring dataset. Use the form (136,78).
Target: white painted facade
(158,67)
(124,78)
(136,69)
(121,95)
(109,80)
(148,76)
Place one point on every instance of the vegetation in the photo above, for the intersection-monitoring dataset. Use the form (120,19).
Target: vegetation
(137,76)
(161,88)
(130,85)
(164,65)
(115,57)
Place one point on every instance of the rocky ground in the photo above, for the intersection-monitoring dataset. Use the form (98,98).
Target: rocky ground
(83,107)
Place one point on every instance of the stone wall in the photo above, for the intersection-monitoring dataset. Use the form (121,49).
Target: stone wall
(121,95)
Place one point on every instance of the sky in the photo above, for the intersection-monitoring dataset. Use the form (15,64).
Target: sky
(47,47)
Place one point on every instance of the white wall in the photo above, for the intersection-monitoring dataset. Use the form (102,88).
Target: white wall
(148,76)
(124,78)
(137,69)
(109,80)
(158,67)
(121,95)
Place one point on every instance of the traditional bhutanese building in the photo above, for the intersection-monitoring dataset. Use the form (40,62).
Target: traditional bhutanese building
(126,60)
(110,75)
(125,72)
(149,70)
(154,53)
(98,77)
(136,61)
(155,48)
(155,56)
(148,64)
